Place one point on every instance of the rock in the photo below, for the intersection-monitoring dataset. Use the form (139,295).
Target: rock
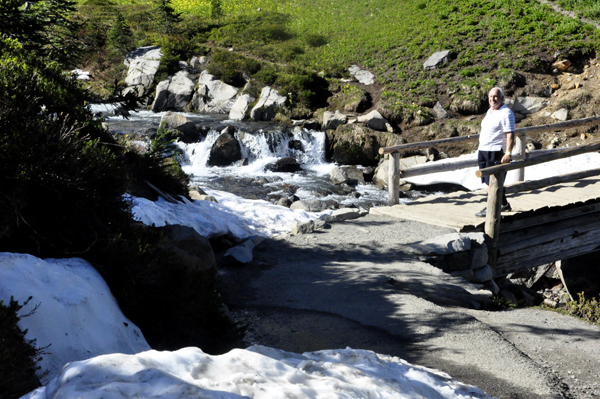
(240,107)
(443,245)
(439,111)
(188,248)
(561,115)
(225,151)
(468,275)
(483,274)
(313,205)
(286,164)
(376,121)
(509,297)
(180,126)
(174,94)
(492,287)
(527,105)
(213,96)
(346,214)
(299,227)
(143,64)
(285,202)
(198,63)
(242,253)
(268,104)
(350,175)
(436,59)
(382,171)
(364,77)
(333,120)
(204,197)
(562,65)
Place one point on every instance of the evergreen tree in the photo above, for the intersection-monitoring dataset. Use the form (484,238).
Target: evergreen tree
(216,9)
(42,26)
(169,17)
(120,35)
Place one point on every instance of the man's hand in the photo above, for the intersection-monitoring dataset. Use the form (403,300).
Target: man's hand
(505,158)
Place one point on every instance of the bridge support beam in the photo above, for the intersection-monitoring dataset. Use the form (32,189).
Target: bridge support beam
(492,221)
(394,179)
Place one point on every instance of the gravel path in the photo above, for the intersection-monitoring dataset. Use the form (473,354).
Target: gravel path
(356,284)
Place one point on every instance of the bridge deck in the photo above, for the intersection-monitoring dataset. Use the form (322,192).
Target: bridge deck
(457,210)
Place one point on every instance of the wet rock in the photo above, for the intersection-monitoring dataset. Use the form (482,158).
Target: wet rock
(239,109)
(296,145)
(350,175)
(225,151)
(268,104)
(174,93)
(286,164)
(180,127)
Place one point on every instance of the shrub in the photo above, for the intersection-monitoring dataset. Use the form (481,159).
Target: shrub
(232,68)
(587,309)
(18,355)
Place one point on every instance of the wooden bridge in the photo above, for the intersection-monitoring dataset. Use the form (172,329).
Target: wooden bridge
(552,219)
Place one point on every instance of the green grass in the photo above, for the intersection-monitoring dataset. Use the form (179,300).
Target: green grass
(584,8)
(394,38)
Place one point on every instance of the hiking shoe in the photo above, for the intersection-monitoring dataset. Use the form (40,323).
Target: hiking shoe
(505,208)
(482,213)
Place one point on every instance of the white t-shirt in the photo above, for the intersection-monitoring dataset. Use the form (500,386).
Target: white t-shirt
(494,127)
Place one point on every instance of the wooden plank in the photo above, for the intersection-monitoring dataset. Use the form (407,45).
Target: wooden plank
(428,144)
(504,269)
(551,248)
(535,220)
(394,179)
(559,126)
(521,240)
(537,184)
(538,159)
(436,167)
(492,221)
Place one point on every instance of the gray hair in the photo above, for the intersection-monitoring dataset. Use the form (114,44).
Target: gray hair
(500,90)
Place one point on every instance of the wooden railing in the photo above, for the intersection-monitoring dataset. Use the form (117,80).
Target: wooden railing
(497,173)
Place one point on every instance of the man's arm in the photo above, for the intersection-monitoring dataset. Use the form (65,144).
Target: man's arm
(509,145)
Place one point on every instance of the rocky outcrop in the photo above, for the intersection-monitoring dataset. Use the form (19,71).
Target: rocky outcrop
(333,120)
(239,110)
(527,105)
(350,175)
(357,144)
(174,93)
(364,77)
(180,127)
(143,64)
(213,96)
(225,151)
(376,121)
(268,104)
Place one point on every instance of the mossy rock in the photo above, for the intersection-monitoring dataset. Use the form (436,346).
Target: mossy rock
(350,98)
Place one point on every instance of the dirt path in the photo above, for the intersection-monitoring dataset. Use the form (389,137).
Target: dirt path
(356,284)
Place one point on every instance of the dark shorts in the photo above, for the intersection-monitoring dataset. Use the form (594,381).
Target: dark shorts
(485,159)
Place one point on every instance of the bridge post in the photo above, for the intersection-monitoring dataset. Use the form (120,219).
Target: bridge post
(520,154)
(492,221)
(394,179)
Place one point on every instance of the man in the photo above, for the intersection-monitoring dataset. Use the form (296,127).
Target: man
(496,139)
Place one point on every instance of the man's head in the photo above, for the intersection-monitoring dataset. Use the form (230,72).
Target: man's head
(496,98)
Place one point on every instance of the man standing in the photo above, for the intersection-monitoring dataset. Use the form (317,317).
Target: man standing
(496,139)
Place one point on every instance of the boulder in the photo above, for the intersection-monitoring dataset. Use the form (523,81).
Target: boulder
(439,111)
(376,121)
(527,105)
(181,127)
(285,164)
(189,249)
(382,171)
(562,65)
(225,151)
(483,274)
(240,107)
(143,64)
(197,64)
(436,59)
(581,274)
(213,96)
(174,93)
(364,77)
(346,214)
(333,120)
(350,175)
(242,253)
(299,227)
(561,115)
(313,205)
(268,104)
